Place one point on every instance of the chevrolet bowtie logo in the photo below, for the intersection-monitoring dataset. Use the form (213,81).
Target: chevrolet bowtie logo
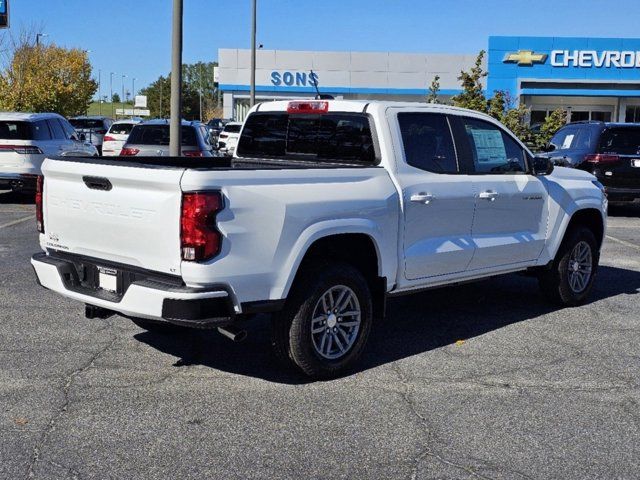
(525,57)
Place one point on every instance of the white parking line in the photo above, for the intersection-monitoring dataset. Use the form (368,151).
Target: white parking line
(15,222)
(623,242)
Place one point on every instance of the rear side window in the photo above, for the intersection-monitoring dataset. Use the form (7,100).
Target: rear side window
(10,130)
(427,142)
(121,128)
(623,141)
(493,150)
(232,128)
(334,136)
(87,123)
(159,135)
(565,138)
(56,129)
(40,130)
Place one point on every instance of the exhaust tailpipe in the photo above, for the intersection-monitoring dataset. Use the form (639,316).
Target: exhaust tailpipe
(233,333)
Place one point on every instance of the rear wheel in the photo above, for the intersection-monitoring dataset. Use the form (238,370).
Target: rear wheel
(570,279)
(326,322)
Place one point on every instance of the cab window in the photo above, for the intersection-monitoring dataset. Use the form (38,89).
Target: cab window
(427,141)
(492,149)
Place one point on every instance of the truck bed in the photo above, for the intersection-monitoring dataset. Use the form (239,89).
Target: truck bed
(215,163)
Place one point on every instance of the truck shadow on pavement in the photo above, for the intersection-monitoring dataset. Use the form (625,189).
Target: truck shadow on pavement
(414,324)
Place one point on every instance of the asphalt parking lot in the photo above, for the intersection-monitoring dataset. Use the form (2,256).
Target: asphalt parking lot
(485,380)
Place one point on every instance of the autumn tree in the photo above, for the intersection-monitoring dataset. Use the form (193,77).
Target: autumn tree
(46,78)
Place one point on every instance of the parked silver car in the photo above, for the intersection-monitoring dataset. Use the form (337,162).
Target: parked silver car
(151,138)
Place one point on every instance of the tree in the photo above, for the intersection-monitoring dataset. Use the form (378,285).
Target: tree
(434,89)
(552,123)
(115,98)
(197,79)
(46,78)
(472,95)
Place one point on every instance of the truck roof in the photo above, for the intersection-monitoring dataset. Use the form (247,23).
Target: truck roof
(364,105)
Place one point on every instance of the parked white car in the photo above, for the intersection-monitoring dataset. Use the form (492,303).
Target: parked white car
(228,138)
(327,209)
(25,140)
(116,136)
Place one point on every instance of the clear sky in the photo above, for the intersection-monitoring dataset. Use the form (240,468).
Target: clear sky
(134,36)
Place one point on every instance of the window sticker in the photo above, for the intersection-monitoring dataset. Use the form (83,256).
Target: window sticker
(489,145)
(567,141)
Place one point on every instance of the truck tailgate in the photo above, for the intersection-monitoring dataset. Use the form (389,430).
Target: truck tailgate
(133,219)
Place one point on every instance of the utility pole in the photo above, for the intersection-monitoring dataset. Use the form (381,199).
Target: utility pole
(99,91)
(38,35)
(111,74)
(252,100)
(175,132)
(133,91)
(122,98)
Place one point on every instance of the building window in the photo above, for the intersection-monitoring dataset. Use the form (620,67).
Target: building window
(632,114)
(601,116)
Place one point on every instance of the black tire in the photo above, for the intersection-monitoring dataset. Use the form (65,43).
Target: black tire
(292,339)
(555,282)
(156,326)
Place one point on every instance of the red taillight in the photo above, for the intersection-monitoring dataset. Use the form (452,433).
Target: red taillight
(199,238)
(107,138)
(39,216)
(223,135)
(308,107)
(193,153)
(601,158)
(22,149)
(129,152)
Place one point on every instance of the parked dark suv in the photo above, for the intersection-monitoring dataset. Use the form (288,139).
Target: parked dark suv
(611,151)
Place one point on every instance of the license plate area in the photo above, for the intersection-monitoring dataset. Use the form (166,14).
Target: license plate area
(108,279)
(635,162)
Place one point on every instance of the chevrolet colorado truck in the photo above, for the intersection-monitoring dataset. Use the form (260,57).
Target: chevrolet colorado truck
(327,208)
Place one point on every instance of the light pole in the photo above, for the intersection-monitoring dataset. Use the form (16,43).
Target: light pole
(133,91)
(252,99)
(38,35)
(175,132)
(122,98)
(111,74)
(99,91)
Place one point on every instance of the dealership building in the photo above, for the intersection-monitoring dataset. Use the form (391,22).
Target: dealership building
(591,78)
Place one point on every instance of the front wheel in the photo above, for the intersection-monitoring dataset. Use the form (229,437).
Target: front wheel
(570,279)
(326,322)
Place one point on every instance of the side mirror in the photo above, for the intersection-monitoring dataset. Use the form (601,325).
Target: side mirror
(542,166)
(549,148)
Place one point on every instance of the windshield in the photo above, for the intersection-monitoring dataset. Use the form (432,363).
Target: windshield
(121,128)
(159,135)
(335,136)
(623,141)
(86,123)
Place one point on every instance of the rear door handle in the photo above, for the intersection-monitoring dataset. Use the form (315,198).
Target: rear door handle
(488,195)
(422,197)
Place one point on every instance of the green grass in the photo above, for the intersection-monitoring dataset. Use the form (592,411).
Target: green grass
(94,108)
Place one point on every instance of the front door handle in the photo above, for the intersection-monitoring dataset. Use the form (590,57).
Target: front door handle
(422,197)
(488,195)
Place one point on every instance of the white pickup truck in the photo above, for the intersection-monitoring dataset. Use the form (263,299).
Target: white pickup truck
(327,208)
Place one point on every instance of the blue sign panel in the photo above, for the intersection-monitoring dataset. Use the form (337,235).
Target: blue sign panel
(3,7)
(563,66)
(4,13)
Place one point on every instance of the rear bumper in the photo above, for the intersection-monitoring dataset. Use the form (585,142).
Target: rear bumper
(18,181)
(146,298)
(616,194)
